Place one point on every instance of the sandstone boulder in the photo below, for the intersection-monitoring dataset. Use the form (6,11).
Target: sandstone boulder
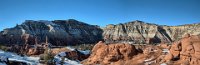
(168,57)
(111,54)
(175,49)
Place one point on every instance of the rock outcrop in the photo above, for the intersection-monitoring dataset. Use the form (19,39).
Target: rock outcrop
(140,32)
(186,51)
(182,52)
(110,54)
(59,32)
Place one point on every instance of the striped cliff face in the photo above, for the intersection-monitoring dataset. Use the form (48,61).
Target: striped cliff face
(141,32)
(59,32)
(72,32)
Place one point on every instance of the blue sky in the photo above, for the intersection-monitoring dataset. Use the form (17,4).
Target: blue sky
(100,12)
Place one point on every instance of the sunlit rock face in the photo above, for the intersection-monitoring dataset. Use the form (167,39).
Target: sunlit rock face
(113,53)
(190,50)
(59,32)
(71,32)
(140,32)
(185,51)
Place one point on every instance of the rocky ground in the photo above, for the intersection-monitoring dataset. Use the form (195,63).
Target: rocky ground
(182,52)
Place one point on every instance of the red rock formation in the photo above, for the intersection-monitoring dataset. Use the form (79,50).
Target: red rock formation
(164,45)
(122,54)
(111,54)
(185,51)
(55,51)
(175,49)
(32,51)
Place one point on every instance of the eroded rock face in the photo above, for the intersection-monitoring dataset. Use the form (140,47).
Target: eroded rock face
(186,50)
(124,54)
(59,32)
(182,52)
(140,32)
(71,32)
(111,54)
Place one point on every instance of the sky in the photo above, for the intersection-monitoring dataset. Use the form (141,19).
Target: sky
(100,12)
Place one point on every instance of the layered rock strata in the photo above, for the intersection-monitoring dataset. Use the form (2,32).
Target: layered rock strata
(59,32)
(140,32)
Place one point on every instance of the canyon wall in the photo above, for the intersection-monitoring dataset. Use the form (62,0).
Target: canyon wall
(141,32)
(59,32)
(72,32)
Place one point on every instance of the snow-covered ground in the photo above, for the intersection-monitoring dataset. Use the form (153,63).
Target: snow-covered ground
(165,50)
(35,60)
(14,57)
(163,64)
(3,63)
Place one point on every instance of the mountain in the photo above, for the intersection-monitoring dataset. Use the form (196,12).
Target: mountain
(141,32)
(58,32)
(72,32)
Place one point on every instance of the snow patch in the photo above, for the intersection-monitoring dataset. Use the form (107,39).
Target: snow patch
(163,64)
(71,62)
(165,50)
(51,28)
(85,52)
(3,58)
(3,63)
(70,48)
(23,31)
(62,54)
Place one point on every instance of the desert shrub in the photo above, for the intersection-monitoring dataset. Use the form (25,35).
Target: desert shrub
(46,57)
(4,48)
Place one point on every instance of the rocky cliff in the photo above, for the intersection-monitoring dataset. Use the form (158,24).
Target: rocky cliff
(71,32)
(59,32)
(140,32)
